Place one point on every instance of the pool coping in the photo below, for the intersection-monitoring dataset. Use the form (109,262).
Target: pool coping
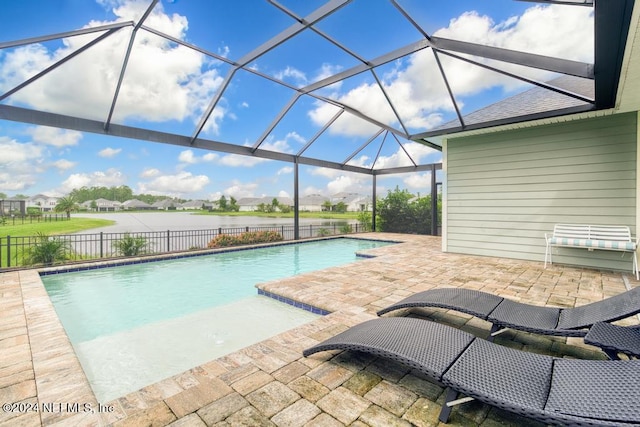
(62,390)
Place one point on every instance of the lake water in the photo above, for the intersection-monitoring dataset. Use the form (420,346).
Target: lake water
(162,221)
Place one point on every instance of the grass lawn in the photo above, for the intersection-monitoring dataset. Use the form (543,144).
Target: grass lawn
(56,227)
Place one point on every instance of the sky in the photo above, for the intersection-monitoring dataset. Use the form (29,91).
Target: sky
(168,87)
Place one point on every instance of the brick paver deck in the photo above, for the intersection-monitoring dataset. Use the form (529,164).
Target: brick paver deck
(270,383)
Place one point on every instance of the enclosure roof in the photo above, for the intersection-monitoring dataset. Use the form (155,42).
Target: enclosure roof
(340,84)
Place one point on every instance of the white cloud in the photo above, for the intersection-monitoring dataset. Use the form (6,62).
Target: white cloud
(285,170)
(178,86)
(149,173)
(309,190)
(109,178)
(417,151)
(239,189)
(20,164)
(350,183)
(292,73)
(418,181)
(283,193)
(270,144)
(325,172)
(188,156)
(14,152)
(16,182)
(180,183)
(236,160)
(109,152)
(340,181)
(53,136)
(559,31)
(63,164)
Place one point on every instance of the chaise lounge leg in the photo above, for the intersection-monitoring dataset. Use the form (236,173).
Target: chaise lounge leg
(546,255)
(495,330)
(446,409)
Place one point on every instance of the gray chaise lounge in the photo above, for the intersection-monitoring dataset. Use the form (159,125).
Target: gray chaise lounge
(505,313)
(548,389)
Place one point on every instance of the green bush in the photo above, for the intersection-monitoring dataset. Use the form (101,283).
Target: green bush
(131,246)
(322,232)
(346,229)
(402,212)
(47,250)
(248,238)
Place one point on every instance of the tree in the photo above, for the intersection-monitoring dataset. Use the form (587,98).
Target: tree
(340,207)
(233,204)
(326,206)
(222,203)
(395,213)
(401,212)
(66,204)
(3,196)
(364,219)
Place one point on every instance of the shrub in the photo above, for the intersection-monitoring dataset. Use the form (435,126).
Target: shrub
(47,250)
(346,229)
(131,246)
(322,232)
(248,238)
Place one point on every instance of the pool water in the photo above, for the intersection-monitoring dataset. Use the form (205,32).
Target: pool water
(134,325)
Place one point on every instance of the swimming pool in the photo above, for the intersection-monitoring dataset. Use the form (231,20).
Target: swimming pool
(134,325)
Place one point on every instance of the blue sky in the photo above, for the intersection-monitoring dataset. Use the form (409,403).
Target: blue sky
(167,88)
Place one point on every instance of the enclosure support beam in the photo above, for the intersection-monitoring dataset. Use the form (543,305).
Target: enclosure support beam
(434,202)
(373,201)
(296,203)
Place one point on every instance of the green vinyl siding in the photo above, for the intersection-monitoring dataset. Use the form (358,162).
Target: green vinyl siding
(505,190)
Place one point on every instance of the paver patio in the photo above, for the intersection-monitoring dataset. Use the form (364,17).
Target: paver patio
(270,383)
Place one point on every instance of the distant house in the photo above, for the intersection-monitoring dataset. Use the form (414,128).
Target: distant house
(135,204)
(313,203)
(355,202)
(165,204)
(43,202)
(104,205)
(194,204)
(10,207)
(252,204)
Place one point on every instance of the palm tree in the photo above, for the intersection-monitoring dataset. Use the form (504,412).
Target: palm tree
(66,204)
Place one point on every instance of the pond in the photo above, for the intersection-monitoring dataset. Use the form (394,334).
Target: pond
(162,221)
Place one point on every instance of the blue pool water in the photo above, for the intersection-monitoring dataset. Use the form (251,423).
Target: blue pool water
(135,325)
(100,302)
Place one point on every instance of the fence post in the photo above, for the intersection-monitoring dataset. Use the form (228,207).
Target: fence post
(8,251)
(101,244)
(168,241)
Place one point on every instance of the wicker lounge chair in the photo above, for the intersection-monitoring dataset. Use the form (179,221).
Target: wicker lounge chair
(505,313)
(548,389)
(615,340)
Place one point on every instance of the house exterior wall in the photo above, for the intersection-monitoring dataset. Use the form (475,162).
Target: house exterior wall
(505,190)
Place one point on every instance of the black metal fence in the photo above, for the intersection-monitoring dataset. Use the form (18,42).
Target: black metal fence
(17,251)
(32,219)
